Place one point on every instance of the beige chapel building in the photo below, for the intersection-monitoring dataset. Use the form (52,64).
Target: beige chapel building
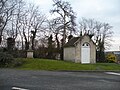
(80,50)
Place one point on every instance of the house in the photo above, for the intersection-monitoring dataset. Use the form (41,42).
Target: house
(80,50)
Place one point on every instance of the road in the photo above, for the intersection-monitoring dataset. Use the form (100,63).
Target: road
(11,79)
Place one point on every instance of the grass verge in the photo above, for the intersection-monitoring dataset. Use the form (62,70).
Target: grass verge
(46,64)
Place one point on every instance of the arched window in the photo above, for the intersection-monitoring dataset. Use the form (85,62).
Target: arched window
(85,44)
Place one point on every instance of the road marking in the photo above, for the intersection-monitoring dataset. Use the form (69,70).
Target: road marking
(16,88)
(113,73)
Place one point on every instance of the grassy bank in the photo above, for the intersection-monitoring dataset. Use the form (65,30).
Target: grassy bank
(45,64)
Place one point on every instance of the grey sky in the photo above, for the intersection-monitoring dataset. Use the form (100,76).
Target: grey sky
(101,10)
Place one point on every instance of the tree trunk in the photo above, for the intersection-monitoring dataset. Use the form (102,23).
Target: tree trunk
(0,39)
(26,45)
(58,43)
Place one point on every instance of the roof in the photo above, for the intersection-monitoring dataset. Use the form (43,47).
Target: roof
(71,42)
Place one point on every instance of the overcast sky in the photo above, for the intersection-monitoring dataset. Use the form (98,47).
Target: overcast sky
(101,10)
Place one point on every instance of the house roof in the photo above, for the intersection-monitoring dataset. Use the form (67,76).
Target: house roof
(71,42)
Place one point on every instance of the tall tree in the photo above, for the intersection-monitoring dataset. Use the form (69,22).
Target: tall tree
(6,11)
(66,16)
(14,24)
(32,22)
(37,24)
(54,28)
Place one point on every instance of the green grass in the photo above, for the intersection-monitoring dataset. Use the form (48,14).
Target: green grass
(45,64)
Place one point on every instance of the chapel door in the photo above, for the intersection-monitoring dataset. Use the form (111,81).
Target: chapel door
(85,53)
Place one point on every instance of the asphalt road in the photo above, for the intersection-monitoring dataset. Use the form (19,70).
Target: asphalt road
(11,79)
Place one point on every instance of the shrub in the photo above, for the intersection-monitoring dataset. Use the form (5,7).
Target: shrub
(111,58)
(18,62)
(5,59)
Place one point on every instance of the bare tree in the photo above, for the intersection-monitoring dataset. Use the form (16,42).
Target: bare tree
(101,33)
(32,22)
(54,28)
(6,10)
(26,26)
(14,23)
(36,24)
(66,17)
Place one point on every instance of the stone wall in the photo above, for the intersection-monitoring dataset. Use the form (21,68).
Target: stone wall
(29,54)
(69,54)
